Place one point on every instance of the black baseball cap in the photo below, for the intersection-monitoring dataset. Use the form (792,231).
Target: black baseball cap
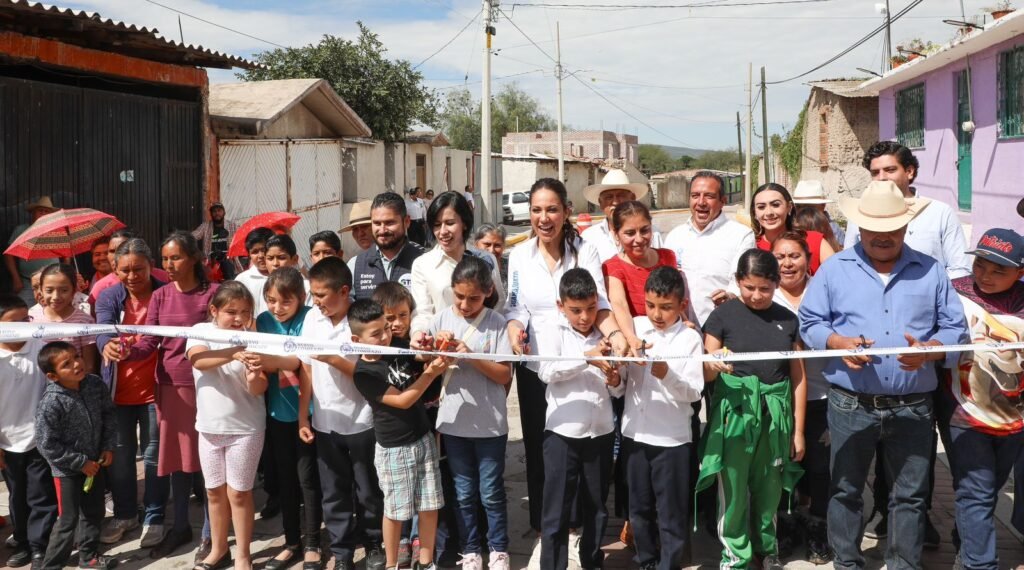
(1002,247)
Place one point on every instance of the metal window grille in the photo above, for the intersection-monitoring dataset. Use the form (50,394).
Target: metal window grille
(910,116)
(1011,93)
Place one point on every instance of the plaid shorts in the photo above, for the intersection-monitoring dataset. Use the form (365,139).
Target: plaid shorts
(410,478)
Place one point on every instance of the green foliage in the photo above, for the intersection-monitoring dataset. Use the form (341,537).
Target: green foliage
(388,95)
(727,160)
(656,160)
(790,147)
(460,118)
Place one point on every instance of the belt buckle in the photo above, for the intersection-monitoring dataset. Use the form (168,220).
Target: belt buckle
(879,400)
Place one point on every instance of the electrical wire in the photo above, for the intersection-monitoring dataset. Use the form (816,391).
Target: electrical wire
(215,24)
(604,7)
(503,77)
(528,38)
(856,44)
(630,115)
(449,42)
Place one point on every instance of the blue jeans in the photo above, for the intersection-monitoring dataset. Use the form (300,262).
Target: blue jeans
(478,467)
(981,464)
(903,435)
(133,422)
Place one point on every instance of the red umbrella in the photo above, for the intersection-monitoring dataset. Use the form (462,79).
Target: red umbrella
(272,220)
(64,233)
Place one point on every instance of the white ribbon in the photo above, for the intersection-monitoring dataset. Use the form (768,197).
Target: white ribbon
(304,346)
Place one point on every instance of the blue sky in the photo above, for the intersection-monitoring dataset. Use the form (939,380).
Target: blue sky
(675,76)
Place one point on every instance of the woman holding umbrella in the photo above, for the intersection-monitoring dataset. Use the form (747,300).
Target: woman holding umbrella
(184,302)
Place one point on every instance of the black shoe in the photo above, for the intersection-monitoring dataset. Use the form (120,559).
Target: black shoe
(224,562)
(205,547)
(271,509)
(880,530)
(447,559)
(12,544)
(417,565)
(171,542)
(294,554)
(931,534)
(319,563)
(375,559)
(97,561)
(21,557)
(818,551)
(787,533)
(37,560)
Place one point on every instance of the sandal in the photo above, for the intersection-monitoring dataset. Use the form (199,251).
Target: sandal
(276,563)
(317,565)
(224,562)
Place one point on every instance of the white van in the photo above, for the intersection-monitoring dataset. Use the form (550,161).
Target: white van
(515,207)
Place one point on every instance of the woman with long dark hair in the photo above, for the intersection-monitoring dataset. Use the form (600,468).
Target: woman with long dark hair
(535,269)
(772,213)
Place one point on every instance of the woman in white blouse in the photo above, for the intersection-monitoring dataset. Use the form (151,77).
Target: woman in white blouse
(534,270)
(450,217)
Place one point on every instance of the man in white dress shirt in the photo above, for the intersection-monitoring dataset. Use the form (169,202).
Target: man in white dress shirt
(709,245)
(614,189)
(936,231)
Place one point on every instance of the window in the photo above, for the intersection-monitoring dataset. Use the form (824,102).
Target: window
(520,198)
(1011,93)
(910,116)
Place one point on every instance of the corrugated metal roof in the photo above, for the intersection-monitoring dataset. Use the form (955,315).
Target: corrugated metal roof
(91,30)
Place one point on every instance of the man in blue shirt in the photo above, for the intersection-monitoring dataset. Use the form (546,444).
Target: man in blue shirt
(881,293)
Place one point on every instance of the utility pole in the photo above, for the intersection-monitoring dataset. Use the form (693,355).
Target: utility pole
(750,136)
(764,130)
(558,78)
(484,192)
(888,37)
(739,138)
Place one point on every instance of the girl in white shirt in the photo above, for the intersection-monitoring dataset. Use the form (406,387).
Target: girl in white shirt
(230,419)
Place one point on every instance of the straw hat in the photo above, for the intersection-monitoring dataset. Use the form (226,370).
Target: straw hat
(359,215)
(882,207)
(41,202)
(614,180)
(810,192)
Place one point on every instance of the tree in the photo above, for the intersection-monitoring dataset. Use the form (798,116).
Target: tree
(510,108)
(727,160)
(655,159)
(790,147)
(388,95)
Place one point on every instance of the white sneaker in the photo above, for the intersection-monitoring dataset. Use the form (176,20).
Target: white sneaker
(116,530)
(108,503)
(498,561)
(534,563)
(152,535)
(471,562)
(574,547)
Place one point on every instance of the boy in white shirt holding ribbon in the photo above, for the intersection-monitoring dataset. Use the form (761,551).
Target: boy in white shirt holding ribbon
(579,430)
(656,436)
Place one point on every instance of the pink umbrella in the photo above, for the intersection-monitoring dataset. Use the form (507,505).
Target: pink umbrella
(64,233)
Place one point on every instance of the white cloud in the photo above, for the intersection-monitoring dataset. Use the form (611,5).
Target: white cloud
(697,47)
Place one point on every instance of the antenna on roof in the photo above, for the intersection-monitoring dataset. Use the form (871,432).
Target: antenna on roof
(181,33)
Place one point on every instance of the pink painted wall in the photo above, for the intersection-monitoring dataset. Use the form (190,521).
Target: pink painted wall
(998,164)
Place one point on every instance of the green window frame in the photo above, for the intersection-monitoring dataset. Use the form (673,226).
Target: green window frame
(910,116)
(1010,77)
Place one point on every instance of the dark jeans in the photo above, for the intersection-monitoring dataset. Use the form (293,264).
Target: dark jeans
(295,462)
(904,437)
(816,482)
(33,498)
(532,411)
(79,511)
(347,476)
(130,421)
(572,465)
(981,464)
(478,467)
(659,501)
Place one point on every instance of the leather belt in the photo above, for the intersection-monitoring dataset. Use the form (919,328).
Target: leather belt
(884,401)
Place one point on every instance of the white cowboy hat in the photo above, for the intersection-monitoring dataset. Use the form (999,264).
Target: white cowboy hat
(359,215)
(810,192)
(614,180)
(43,202)
(882,207)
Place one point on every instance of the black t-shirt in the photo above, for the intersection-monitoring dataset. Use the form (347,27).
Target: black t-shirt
(742,329)
(219,240)
(393,427)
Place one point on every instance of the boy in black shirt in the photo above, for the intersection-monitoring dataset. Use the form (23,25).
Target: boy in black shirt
(406,456)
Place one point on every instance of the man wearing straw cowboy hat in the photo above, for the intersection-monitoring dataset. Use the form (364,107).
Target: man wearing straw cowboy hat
(881,293)
(359,225)
(614,189)
(21,270)
(812,193)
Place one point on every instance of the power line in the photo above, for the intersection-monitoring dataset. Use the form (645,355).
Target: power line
(856,44)
(215,24)
(449,42)
(528,38)
(630,115)
(602,7)
(481,81)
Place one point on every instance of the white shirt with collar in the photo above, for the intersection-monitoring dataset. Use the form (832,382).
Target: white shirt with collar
(254,282)
(337,405)
(579,401)
(22,384)
(432,284)
(935,232)
(533,290)
(600,236)
(657,411)
(708,258)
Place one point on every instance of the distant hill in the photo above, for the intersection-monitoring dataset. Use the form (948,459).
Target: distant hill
(678,151)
